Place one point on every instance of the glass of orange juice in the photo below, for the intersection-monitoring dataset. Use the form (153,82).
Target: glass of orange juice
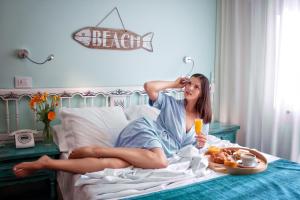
(198,126)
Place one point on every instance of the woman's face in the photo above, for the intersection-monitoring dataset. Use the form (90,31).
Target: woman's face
(192,90)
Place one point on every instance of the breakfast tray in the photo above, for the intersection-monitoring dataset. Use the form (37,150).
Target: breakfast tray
(261,166)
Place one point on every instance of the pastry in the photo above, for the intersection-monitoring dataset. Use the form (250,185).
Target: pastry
(218,157)
(213,150)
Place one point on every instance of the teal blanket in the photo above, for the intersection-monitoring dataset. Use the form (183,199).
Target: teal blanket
(280,181)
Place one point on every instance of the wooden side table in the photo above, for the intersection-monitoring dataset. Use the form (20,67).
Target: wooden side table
(224,131)
(9,156)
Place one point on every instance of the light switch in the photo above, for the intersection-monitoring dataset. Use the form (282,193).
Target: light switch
(23,82)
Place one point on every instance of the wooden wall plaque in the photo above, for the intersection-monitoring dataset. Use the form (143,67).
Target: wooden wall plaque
(113,39)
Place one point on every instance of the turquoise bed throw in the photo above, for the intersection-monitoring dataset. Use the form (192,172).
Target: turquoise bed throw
(280,181)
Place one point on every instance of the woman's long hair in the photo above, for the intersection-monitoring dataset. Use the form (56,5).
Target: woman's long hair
(203,105)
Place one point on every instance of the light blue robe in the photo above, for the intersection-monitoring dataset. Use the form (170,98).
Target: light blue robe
(167,132)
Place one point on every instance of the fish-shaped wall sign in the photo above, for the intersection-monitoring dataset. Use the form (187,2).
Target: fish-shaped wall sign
(114,39)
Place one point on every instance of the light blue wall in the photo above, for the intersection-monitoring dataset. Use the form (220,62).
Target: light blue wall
(181,27)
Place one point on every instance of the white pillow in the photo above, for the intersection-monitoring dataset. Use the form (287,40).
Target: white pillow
(92,125)
(59,138)
(137,111)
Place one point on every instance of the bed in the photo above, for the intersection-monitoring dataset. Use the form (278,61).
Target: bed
(91,116)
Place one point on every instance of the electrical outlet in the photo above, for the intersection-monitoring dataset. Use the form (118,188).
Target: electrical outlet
(23,82)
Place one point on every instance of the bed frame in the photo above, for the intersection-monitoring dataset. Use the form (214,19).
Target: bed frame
(14,107)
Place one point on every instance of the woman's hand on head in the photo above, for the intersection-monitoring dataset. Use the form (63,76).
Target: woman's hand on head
(181,82)
(201,140)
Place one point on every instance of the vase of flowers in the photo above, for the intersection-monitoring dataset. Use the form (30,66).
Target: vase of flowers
(47,134)
(44,107)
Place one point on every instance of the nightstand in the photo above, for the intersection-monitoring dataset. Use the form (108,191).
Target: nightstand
(224,131)
(39,185)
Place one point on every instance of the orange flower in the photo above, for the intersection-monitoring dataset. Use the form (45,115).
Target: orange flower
(43,98)
(31,104)
(56,98)
(51,115)
(38,98)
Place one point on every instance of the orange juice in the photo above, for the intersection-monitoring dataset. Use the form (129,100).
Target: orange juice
(198,126)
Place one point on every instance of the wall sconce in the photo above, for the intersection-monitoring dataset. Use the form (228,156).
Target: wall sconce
(186,60)
(23,53)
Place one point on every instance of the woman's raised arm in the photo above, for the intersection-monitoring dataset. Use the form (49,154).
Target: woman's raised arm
(153,87)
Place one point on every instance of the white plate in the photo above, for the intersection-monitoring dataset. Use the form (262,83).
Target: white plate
(240,163)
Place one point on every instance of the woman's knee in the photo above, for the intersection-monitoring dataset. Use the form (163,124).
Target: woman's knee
(162,163)
(160,160)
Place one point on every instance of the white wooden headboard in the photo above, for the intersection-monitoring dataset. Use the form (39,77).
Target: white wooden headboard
(14,109)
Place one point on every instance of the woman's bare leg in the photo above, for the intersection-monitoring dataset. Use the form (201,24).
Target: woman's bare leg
(101,158)
(84,152)
(79,166)
(143,158)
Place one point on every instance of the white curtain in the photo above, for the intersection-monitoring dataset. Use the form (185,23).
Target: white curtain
(257,73)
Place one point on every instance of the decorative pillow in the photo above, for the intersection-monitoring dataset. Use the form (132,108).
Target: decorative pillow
(137,111)
(92,125)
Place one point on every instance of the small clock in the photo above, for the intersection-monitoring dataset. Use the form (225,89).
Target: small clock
(24,138)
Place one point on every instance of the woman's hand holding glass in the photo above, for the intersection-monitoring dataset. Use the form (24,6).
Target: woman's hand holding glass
(201,140)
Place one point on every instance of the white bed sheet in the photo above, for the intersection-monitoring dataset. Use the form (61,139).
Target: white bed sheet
(69,191)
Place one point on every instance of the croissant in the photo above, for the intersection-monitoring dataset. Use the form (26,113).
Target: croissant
(218,157)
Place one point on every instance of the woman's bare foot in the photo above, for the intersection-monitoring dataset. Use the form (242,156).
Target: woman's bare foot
(85,152)
(26,168)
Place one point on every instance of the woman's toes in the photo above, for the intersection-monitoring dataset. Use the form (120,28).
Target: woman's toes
(22,172)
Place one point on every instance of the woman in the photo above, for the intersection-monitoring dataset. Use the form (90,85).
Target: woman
(143,143)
